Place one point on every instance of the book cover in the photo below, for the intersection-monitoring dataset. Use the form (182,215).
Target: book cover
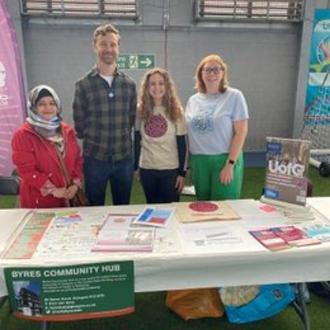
(287,170)
(205,211)
(152,216)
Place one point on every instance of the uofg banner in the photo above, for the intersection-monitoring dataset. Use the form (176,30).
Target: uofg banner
(12,101)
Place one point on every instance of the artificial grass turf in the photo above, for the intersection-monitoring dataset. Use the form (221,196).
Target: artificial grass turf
(254,179)
(151,313)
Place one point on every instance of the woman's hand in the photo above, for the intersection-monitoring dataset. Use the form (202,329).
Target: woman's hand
(71,191)
(59,192)
(226,174)
(179,184)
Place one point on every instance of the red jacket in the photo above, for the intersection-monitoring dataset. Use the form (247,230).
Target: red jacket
(36,161)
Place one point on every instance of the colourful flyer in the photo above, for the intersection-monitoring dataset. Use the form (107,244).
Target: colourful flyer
(154,217)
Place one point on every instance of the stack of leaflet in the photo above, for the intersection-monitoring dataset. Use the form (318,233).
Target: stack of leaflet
(320,228)
(119,234)
(281,238)
(296,213)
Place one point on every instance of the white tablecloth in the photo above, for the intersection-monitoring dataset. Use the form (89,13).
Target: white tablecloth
(173,265)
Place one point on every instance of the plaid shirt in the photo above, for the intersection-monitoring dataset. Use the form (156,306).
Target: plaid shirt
(104,116)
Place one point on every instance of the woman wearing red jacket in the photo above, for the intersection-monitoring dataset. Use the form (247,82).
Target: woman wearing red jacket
(37,145)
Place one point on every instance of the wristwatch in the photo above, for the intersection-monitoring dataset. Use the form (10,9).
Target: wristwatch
(231,161)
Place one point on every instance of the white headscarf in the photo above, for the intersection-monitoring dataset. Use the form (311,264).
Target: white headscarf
(46,128)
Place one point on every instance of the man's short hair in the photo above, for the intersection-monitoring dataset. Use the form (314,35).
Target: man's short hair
(103,29)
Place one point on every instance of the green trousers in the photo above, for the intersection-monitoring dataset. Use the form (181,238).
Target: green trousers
(205,176)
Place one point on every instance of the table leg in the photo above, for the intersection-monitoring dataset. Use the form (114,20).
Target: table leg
(44,325)
(300,306)
(2,301)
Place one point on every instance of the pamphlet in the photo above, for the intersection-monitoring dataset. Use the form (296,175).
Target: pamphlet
(205,211)
(287,169)
(155,217)
(120,234)
(319,231)
(281,238)
(28,237)
(269,239)
(295,236)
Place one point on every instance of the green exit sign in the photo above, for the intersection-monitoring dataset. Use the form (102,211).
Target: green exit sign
(136,61)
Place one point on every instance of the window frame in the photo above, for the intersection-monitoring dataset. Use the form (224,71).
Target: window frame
(101,11)
(249,16)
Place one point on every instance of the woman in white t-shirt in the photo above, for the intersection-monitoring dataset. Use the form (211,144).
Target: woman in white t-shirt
(160,146)
(217,124)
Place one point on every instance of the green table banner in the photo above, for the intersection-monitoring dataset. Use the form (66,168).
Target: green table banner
(71,292)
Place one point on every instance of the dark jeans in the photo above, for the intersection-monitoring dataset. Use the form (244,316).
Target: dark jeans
(98,172)
(159,185)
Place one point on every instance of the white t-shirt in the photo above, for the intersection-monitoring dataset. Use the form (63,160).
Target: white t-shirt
(108,79)
(159,150)
(209,119)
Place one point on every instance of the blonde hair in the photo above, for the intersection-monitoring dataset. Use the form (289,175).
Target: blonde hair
(170,100)
(199,83)
(103,29)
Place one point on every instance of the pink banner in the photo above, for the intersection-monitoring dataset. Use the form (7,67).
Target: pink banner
(12,100)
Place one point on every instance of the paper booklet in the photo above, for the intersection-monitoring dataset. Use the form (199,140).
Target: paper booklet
(287,162)
(151,216)
(281,238)
(118,233)
(204,211)
(320,231)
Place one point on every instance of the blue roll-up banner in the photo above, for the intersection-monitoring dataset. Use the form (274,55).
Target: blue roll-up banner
(317,104)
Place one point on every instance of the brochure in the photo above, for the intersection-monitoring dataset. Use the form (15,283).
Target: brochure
(286,170)
(319,231)
(295,236)
(205,211)
(281,238)
(269,239)
(155,217)
(120,234)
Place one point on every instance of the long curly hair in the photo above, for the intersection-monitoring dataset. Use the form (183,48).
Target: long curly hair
(170,100)
(199,83)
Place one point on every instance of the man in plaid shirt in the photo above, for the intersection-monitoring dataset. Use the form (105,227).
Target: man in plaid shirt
(104,110)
